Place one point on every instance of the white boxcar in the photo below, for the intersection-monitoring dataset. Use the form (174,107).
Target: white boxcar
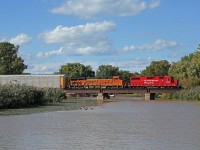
(49,81)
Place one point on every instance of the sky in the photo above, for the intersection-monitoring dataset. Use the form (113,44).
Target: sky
(128,34)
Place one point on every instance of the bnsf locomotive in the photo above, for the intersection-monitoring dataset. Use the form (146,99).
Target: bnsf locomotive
(116,82)
(96,83)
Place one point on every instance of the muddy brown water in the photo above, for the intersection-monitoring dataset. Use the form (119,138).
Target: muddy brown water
(128,124)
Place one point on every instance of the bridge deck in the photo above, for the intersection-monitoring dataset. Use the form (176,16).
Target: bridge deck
(124,90)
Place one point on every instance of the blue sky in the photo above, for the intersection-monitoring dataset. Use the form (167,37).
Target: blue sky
(129,34)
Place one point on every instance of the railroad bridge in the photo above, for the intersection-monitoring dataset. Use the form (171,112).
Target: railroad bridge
(149,93)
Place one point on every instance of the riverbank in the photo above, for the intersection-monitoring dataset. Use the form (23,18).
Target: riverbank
(68,104)
(84,103)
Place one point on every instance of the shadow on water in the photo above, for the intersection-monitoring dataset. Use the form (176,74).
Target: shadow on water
(121,98)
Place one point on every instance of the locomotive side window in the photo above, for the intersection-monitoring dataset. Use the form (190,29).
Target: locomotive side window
(150,78)
(168,79)
(135,78)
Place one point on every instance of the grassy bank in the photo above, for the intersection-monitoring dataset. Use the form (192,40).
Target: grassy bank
(67,104)
(22,96)
(192,94)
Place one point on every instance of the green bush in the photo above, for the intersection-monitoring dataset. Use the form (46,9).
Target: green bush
(18,96)
(166,96)
(54,94)
(188,94)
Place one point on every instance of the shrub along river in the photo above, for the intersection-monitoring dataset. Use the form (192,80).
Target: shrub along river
(128,124)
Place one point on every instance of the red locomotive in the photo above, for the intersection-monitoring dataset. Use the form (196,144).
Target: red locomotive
(153,81)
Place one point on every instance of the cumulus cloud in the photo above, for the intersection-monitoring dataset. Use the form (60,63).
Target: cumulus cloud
(134,65)
(3,40)
(47,54)
(89,8)
(87,39)
(43,68)
(20,39)
(157,45)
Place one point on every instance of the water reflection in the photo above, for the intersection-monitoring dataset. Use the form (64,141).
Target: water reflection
(127,124)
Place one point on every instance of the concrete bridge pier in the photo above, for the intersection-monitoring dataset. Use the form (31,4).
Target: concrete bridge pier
(102,96)
(149,96)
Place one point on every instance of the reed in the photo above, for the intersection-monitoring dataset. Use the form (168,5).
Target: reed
(20,96)
(189,94)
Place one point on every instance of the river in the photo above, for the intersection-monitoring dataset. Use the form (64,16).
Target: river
(128,124)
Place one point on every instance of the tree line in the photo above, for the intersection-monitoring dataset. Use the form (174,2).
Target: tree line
(187,69)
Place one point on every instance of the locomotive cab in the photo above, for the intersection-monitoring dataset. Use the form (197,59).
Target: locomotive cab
(168,79)
(116,77)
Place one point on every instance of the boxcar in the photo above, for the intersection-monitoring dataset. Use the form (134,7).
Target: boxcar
(49,81)
(153,81)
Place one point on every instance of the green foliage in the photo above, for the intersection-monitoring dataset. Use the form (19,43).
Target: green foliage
(17,96)
(188,94)
(107,72)
(165,96)
(125,75)
(157,68)
(187,70)
(10,63)
(54,94)
(76,70)
(190,82)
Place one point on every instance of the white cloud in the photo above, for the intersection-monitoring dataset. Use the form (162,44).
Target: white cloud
(134,65)
(158,45)
(20,39)
(89,8)
(47,54)
(87,39)
(3,40)
(43,68)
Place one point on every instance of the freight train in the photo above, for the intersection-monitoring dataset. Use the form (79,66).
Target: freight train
(116,82)
(61,81)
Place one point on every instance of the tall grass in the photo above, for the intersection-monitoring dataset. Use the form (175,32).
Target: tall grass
(188,94)
(18,96)
(53,94)
(191,94)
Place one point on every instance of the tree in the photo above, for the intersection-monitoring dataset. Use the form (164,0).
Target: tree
(73,70)
(187,70)
(125,75)
(106,72)
(10,63)
(188,66)
(157,68)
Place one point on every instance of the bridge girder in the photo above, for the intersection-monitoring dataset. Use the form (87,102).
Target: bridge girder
(123,90)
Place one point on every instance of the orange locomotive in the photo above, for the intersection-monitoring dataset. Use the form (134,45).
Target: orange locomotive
(96,83)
